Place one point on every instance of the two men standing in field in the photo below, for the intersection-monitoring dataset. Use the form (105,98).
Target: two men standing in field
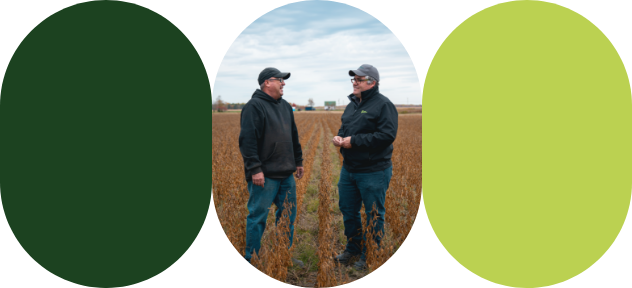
(271,151)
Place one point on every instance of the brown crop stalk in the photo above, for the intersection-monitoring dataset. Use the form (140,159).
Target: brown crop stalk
(308,161)
(326,276)
(275,256)
(402,200)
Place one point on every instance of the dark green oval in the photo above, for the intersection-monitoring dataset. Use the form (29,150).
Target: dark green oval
(105,157)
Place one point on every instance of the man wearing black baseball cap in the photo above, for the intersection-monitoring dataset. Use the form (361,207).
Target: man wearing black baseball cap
(365,138)
(269,145)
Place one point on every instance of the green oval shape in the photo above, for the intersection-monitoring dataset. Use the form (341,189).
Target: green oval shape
(105,157)
(527,144)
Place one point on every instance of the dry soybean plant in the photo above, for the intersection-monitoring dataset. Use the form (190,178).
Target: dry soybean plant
(308,162)
(275,257)
(230,196)
(326,270)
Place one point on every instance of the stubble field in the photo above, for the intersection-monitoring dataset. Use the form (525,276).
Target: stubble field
(319,229)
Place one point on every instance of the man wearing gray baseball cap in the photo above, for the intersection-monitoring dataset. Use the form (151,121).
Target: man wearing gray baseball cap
(269,145)
(365,138)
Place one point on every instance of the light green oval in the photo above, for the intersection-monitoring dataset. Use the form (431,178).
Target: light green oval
(527,124)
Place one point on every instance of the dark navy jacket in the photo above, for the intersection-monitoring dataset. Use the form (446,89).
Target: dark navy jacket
(372,125)
(268,139)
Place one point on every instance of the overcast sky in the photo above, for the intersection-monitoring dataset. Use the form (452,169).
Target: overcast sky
(318,42)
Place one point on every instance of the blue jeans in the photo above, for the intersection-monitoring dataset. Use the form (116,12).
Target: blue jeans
(261,198)
(355,189)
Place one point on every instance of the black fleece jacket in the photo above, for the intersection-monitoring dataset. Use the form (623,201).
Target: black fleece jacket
(268,140)
(372,125)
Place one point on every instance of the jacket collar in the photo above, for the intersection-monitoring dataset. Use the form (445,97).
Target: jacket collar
(263,95)
(366,95)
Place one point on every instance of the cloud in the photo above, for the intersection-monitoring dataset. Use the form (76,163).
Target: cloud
(318,42)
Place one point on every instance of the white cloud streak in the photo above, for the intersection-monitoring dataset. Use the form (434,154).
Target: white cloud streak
(319,47)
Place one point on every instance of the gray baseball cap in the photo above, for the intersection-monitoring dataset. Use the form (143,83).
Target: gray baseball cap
(366,70)
(272,72)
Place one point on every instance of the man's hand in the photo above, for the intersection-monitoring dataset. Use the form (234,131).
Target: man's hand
(299,172)
(258,179)
(337,141)
(346,142)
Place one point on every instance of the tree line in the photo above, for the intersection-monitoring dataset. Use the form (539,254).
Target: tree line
(219,105)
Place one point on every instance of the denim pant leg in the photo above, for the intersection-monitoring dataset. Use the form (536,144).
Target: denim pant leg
(373,188)
(261,198)
(350,203)
(287,189)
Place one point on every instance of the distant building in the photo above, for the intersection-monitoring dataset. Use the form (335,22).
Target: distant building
(330,105)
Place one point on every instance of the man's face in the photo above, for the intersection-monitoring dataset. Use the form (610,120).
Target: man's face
(360,84)
(276,87)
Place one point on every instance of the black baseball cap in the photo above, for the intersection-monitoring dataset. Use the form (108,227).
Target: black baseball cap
(366,70)
(272,72)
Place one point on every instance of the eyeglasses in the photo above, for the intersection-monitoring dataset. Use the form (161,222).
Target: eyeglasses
(280,79)
(358,80)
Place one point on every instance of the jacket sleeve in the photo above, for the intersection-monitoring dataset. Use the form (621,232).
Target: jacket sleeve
(298,153)
(251,132)
(386,131)
(341,130)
